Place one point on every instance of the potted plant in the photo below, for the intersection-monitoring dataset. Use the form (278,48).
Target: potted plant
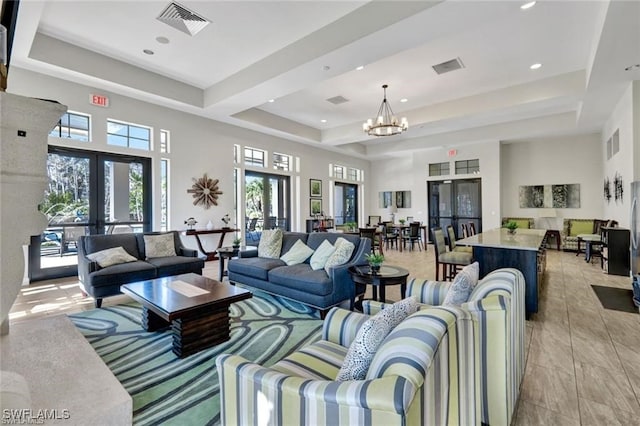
(374,260)
(511,226)
(402,221)
(236,242)
(351,226)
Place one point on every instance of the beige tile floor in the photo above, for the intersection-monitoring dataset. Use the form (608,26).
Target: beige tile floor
(583,361)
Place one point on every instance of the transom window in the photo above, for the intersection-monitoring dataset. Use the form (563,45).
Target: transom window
(353,174)
(281,161)
(467,166)
(438,169)
(254,157)
(164,141)
(128,135)
(72,125)
(338,172)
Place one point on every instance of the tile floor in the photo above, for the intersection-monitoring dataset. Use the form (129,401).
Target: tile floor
(583,361)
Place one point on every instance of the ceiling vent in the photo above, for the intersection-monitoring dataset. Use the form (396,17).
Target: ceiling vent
(183,19)
(452,65)
(337,100)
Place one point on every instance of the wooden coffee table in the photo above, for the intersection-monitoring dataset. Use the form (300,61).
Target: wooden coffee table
(196,308)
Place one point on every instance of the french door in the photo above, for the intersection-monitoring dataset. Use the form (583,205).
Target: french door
(346,203)
(88,193)
(267,200)
(454,202)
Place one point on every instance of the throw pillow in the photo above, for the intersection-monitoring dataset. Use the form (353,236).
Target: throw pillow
(297,254)
(462,285)
(342,254)
(360,354)
(321,255)
(159,245)
(396,313)
(270,244)
(112,256)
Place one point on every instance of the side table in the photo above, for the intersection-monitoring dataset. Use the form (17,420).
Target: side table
(556,236)
(388,275)
(229,253)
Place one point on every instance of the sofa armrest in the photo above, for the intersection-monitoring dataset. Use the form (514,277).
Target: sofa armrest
(252,394)
(247,253)
(85,265)
(341,326)
(187,252)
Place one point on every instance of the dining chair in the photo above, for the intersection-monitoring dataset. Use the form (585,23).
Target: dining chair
(472,229)
(374,220)
(450,261)
(413,236)
(451,233)
(370,233)
(389,237)
(465,230)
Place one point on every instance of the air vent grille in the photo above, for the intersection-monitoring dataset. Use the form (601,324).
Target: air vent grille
(337,100)
(183,19)
(452,65)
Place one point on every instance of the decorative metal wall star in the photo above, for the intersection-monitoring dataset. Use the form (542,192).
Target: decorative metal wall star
(205,191)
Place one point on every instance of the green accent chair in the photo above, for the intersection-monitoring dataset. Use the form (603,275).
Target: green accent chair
(523,222)
(423,373)
(571,228)
(497,304)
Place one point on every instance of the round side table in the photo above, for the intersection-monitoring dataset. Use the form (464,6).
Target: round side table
(388,275)
(229,253)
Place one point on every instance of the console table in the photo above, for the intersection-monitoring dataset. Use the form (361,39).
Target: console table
(211,255)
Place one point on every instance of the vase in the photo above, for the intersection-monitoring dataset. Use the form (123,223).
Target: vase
(511,231)
(209,226)
(375,269)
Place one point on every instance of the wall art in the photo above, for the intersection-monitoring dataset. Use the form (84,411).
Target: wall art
(315,188)
(315,206)
(550,196)
(204,191)
(617,187)
(607,189)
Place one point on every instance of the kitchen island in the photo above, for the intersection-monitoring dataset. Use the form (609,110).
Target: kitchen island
(524,250)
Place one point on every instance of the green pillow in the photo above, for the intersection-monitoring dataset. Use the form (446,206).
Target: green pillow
(581,227)
(522,223)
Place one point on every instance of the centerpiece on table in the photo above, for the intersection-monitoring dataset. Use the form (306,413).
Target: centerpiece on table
(374,260)
(402,221)
(511,226)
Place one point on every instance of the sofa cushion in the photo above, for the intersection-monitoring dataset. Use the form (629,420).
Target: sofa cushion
(270,244)
(111,256)
(123,273)
(176,265)
(321,255)
(256,267)
(318,361)
(296,254)
(302,277)
(462,286)
(342,254)
(159,245)
(96,243)
(578,227)
(290,238)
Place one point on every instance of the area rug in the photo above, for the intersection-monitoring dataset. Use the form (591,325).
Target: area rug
(169,390)
(617,299)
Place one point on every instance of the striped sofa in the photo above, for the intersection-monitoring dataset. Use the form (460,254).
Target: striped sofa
(424,373)
(498,308)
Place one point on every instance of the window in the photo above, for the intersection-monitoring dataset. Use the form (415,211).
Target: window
(338,172)
(164,141)
(128,135)
(438,169)
(164,194)
(281,161)
(236,154)
(72,125)
(467,166)
(254,157)
(352,174)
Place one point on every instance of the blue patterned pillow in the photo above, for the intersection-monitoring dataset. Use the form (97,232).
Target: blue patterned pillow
(396,313)
(270,244)
(462,285)
(360,354)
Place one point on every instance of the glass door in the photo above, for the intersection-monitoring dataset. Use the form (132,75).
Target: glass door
(86,194)
(346,203)
(454,202)
(267,201)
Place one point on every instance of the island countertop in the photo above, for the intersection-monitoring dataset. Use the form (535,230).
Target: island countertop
(523,239)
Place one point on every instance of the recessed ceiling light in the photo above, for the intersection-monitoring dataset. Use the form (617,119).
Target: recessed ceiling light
(535,66)
(148,51)
(403,100)
(323,121)
(162,40)
(271,101)
(528,5)
(360,68)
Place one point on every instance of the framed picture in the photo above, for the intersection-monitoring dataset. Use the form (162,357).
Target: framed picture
(315,188)
(315,206)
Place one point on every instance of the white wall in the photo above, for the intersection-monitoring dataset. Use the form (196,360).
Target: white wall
(198,145)
(548,161)
(411,173)
(622,163)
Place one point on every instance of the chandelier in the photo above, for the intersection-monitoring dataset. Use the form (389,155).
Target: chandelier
(386,124)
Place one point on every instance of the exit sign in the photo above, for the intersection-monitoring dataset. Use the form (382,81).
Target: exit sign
(452,152)
(99,100)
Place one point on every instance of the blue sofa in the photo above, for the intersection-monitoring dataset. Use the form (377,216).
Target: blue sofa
(299,282)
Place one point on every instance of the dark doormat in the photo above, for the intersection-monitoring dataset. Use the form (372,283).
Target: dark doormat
(617,299)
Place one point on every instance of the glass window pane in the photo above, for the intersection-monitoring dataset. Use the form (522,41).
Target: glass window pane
(139,133)
(116,128)
(139,144)
(116,140)
(78,121)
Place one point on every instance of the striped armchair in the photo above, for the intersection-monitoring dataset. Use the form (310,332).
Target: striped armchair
(423,373)
(497,306)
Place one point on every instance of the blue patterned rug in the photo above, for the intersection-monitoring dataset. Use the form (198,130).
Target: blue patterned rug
(169,390)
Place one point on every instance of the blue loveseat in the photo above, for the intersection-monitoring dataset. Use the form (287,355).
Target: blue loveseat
(299,282)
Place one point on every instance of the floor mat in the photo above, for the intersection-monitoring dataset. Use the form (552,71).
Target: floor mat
(617,299)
